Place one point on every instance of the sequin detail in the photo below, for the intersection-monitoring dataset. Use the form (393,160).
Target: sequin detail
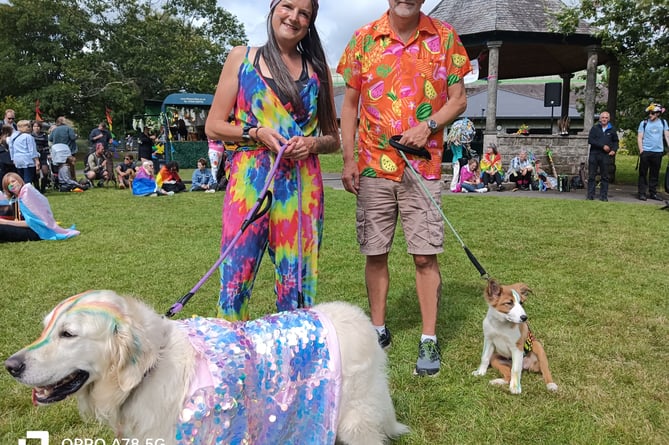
(275,380)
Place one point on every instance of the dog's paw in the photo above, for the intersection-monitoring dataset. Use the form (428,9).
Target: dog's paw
(479,372)
(498,382)
(552,387)
(515,389)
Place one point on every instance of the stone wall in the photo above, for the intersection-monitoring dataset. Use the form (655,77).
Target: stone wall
(568,151)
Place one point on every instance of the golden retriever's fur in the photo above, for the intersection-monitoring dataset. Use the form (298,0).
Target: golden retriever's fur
(139,390)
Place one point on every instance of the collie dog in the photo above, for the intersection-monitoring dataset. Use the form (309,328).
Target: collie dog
(508,344)
(306,376)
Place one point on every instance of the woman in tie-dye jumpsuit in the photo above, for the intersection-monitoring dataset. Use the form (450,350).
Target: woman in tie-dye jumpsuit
(280,94)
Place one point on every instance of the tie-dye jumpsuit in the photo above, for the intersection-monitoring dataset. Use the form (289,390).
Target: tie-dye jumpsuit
(277,230)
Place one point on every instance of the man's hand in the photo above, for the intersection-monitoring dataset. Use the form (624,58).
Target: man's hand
(417,136)
(350,177)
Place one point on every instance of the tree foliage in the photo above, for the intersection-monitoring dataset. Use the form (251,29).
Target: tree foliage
(637,33)
(80,56)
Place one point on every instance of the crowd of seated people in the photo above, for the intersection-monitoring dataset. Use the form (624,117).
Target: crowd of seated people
(47,160)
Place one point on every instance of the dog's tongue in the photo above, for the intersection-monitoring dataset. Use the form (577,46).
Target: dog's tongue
(34,397)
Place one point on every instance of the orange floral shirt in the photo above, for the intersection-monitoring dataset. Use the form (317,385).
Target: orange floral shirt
(401,85)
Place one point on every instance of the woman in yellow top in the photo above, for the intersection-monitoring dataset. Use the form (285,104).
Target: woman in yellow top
(491,167)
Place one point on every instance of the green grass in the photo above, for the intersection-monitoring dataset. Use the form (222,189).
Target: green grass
(598,272)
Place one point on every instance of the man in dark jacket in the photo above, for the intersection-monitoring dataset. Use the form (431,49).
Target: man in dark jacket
(100,135)
(603,141)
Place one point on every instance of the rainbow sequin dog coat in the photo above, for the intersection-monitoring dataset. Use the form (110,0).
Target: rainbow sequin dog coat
(274,380)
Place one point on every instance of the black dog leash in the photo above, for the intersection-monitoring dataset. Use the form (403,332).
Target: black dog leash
(422,152)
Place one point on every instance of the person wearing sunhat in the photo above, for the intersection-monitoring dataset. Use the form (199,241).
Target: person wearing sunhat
(649,139)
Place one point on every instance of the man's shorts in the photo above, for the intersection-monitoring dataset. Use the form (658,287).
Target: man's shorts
(379,203)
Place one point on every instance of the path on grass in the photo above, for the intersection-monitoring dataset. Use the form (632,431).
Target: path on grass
(617,193)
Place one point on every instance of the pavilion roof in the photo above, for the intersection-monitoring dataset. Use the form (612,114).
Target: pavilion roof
(531,43)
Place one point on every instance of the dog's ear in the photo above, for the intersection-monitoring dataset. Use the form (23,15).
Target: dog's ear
(523,289)
(492,291)
(133,351)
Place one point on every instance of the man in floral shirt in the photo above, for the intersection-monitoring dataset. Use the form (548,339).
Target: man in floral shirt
(403,73)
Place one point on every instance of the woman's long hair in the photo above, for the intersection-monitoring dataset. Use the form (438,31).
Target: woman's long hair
(311,48)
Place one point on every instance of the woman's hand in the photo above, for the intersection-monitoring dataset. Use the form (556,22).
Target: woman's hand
(270,138)
(300,147)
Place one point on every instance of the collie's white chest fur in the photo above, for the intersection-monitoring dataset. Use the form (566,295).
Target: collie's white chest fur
(503,334)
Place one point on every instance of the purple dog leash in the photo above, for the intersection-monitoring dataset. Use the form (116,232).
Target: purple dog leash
(255,213)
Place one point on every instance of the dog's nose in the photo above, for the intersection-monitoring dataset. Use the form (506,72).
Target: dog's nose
(15,366)
(523,318)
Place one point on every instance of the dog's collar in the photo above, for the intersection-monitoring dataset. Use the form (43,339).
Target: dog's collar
(527,347)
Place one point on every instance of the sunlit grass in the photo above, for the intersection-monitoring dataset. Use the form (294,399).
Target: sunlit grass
(598,272)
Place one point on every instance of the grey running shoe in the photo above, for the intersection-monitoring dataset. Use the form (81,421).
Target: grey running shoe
(429,359)
(384,339)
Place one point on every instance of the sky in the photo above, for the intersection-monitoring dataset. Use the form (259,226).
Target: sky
(336,21)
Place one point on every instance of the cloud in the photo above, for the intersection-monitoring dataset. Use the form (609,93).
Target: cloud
(336,22)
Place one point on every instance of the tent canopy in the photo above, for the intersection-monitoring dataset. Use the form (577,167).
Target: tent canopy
(187,99)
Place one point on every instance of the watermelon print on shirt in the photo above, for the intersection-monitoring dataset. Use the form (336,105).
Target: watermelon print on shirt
(401,85)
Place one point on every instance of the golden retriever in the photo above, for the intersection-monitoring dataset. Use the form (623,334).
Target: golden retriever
(135,371)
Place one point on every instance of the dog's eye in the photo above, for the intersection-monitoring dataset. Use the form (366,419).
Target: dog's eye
(66,334)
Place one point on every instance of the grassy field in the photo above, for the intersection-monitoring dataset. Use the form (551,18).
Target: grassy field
(597,270)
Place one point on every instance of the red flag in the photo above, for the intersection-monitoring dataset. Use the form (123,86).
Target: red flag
(38,113)
(109,117)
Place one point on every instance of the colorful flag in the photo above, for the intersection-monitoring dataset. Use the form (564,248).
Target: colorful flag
(38,113)
(109,118)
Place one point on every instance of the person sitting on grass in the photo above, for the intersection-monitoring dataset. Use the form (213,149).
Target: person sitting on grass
(491,167)
(67,181)
(470,178)
(31,219)
(203,180)
(521,171)
(144,183)
(96,165)
(546,182)
(125,172)
(168,178)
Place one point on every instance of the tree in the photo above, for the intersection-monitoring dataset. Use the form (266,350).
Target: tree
(637,33)
(81,56)
(41,45)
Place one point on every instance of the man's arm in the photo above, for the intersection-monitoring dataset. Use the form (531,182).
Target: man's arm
(91,161)
(592,136)
(454,107)
(349,123)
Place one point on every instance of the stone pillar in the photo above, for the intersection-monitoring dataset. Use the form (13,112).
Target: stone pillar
(590,89)
(566,91)
(491,113)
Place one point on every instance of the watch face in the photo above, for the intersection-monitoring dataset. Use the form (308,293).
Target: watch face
(432,125)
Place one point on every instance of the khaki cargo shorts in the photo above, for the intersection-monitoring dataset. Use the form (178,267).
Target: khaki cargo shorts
(380,201)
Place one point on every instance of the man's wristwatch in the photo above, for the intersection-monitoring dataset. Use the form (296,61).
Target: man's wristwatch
(432,125)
